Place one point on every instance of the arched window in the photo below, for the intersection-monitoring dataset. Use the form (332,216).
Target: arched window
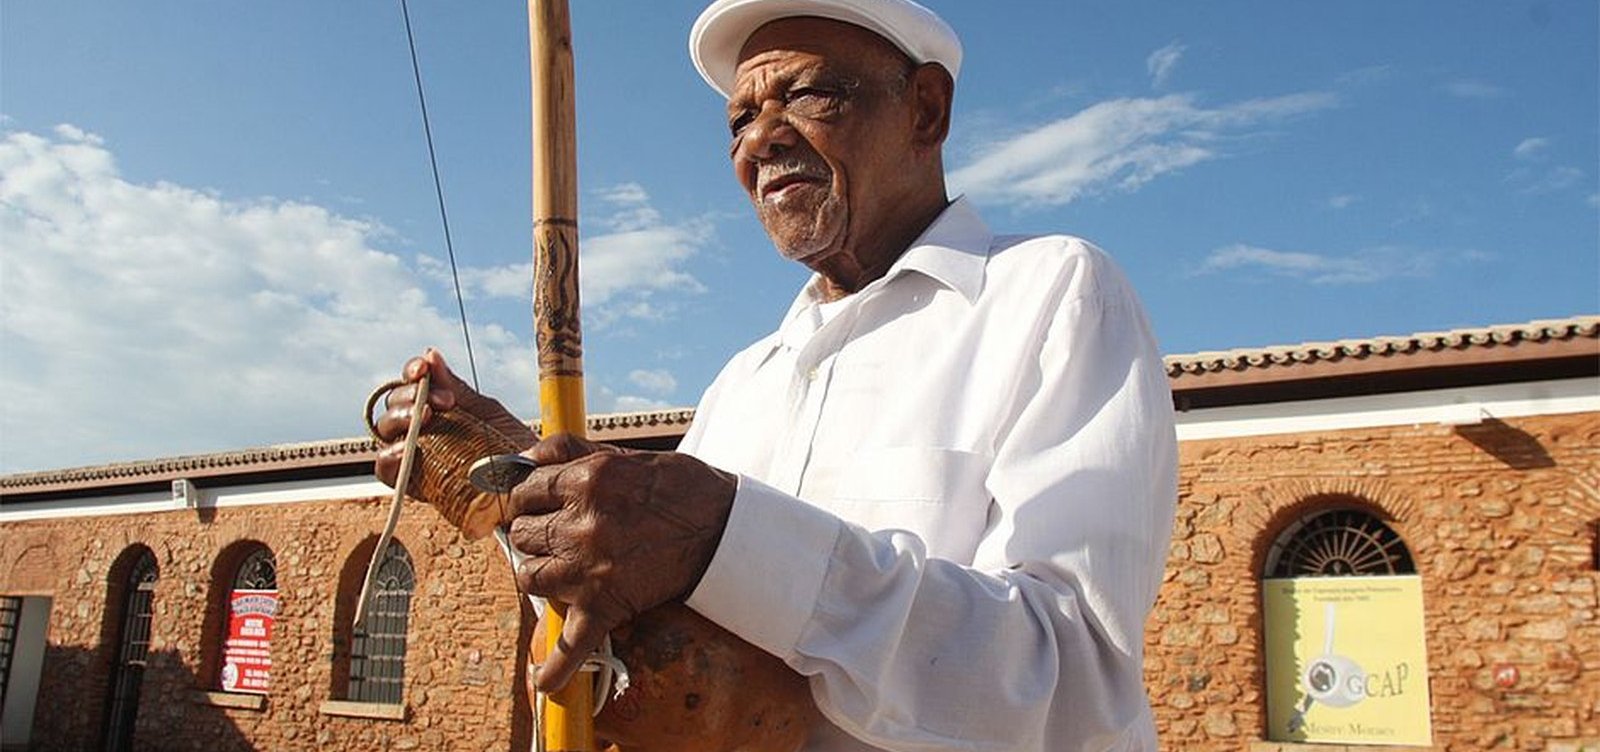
(1338,543)
(258,572)
(252,606)
(137,595)
(1346,659)
(378,647)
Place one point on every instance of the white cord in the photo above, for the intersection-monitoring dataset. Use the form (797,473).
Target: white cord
(612,673)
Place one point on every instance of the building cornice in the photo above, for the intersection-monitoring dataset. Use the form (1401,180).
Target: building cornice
(1536,340)
(324,458)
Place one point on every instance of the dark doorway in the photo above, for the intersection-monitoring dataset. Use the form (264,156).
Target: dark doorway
(133,650)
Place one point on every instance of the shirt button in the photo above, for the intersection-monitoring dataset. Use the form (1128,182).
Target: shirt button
(811,375)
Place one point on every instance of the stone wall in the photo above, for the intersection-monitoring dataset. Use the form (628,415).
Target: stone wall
(1500,519)
(461,654)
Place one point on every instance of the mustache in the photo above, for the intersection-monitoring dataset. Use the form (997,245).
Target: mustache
(790,167)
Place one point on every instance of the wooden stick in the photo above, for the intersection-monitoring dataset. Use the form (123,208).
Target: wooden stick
(567,723)
(407,457)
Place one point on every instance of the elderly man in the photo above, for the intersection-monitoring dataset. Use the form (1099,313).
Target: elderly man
(943,489)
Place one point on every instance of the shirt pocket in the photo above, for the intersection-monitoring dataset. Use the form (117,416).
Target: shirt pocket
(936,494)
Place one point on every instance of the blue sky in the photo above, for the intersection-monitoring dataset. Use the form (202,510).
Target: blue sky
(218,225)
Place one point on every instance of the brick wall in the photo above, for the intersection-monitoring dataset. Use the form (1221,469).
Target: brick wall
(1499,518)
(461,656)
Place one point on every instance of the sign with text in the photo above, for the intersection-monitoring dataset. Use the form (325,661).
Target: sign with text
(246,655)
(1347,660)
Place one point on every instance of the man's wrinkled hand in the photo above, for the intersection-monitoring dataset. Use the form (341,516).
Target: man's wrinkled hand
(612,533)
(446,392)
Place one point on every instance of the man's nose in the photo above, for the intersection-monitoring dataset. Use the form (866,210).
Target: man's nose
(768,135)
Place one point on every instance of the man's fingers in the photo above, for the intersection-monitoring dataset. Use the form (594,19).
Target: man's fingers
(393,422)
(532,534)
(580,636)
(387,464)
(444,388)
(563,447)
(547,488)
(433,361)
(546,577)
(414,368)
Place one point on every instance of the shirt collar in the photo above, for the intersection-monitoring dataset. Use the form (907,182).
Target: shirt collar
(953,251)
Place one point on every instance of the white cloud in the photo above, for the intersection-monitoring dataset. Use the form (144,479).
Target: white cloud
(656,381)
(602,399)
(1117,145)
(1161,63)
(1372,265)
(1536,176)
(1531,148)
(1472,89)
(1540,180)
(150,320)
(630,271)
(631,404)
(1343,201)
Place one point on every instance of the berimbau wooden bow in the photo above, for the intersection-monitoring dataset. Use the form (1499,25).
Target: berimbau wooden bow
(566,717)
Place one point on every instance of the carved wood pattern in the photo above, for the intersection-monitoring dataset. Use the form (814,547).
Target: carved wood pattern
(555,297)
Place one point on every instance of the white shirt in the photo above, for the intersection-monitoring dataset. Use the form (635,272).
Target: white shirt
(956,498)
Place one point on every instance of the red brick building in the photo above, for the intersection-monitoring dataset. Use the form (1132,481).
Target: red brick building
(205,602)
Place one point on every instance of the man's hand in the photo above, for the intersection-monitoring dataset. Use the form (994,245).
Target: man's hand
(612,533)
(445,392)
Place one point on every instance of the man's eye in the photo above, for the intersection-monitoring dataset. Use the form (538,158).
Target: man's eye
(813,102)
(741,121)
(812,94)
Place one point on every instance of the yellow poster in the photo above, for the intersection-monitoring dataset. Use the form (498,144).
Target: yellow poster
(1346,660)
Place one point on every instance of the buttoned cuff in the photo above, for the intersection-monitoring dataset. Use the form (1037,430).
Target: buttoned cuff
(764,579)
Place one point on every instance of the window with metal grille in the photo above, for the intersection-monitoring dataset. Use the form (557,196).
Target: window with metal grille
(133,650)
(10,613)
(252,607)
(1338,543)
(259,571)
(378,647)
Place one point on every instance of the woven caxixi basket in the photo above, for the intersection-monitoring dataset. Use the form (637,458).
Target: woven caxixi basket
(447,448)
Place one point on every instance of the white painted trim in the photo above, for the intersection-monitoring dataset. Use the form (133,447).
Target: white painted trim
(291,492)
(1434,406)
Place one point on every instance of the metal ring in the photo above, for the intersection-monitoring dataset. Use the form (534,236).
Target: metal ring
(372,402)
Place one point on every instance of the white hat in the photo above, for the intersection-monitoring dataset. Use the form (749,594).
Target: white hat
(723,28)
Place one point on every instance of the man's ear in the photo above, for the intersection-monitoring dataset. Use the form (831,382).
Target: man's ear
(931,90)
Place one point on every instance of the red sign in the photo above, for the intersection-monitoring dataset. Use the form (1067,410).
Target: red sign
(246,657)
(1506,675)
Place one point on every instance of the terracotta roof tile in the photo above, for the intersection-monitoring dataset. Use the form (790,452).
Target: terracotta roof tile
(610,427)
(1580,327)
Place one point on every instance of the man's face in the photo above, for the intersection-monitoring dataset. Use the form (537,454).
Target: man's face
(821,133)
